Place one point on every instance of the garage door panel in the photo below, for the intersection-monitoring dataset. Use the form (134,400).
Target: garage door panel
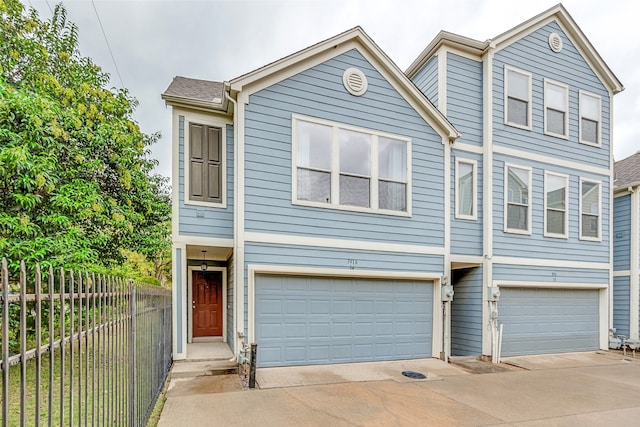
(538,321)
(359,320)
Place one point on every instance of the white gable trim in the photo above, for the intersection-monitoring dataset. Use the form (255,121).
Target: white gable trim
(559,14)
(321,52)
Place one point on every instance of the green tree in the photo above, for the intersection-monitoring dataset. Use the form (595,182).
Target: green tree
(76,181)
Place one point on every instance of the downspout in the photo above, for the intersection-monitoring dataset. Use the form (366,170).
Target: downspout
(446,142)
(487,207)
(634,274)
(227,96)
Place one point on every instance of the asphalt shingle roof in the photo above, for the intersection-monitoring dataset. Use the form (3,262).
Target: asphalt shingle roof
(627,171)
(201,90)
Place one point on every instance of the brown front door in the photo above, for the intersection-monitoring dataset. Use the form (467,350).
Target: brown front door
(207,304)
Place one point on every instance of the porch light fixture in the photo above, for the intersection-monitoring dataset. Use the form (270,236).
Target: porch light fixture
(204,265)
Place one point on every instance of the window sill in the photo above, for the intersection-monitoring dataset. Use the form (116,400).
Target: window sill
(557,135)
(351,208)
(516,125)
(591,144)
(516,231)
(591,239)
(466,217)
(556,236)
(221,205)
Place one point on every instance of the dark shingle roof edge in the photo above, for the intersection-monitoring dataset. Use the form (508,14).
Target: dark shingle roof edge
(627,171)
(188,90)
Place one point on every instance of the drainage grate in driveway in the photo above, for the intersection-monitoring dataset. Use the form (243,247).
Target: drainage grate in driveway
(414,375)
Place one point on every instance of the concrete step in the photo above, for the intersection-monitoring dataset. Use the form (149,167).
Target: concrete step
(192,369)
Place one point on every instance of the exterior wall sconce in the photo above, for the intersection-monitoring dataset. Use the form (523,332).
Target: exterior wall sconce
(204,265)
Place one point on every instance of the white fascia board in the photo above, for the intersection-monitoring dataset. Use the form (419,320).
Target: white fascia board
(555,263)
(321,242)
(204,241)
(527,155)
(323,51)
(559,14)
(549,285)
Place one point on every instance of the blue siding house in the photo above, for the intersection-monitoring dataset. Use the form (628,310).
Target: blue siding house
(325,205)
(626,247)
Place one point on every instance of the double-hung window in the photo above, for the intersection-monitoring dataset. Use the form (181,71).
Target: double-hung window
(590,208)
(517,199)
(555,204)
(466,189)
(343,167)
(205,171)
(517,98)
(589,118)
(556,107)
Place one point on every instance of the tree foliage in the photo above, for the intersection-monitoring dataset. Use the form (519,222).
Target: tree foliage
(76,181)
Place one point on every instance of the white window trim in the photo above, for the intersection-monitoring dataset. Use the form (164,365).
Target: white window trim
(582,93)
(506,199)
(207,121)
(335,167)
(586,238)
(566,206)
(474,174)
(508,68)
(566,109)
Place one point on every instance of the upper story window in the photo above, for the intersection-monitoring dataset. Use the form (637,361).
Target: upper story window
(517,98)
(517,200)
(555,204)
(590,111)
(466,189)
(205,171)
(556,107)
(344,167)
(590,208)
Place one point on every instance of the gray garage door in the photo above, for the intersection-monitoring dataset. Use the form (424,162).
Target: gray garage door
(320,320)
(538,321)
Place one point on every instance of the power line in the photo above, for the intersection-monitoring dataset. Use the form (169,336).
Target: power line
(108,46)
(48,5)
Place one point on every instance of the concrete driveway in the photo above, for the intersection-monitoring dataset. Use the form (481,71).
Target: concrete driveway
(599,389)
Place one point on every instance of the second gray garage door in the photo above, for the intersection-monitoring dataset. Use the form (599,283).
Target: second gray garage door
(320,320)
(540,320)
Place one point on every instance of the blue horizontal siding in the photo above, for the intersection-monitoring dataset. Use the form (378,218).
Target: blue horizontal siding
(466,312)
(504,272)
(536,245)
(427,79)
(621,307)
(466,235)
(319,92)
(205,221)
(465,97)
(622,232)
(532,54)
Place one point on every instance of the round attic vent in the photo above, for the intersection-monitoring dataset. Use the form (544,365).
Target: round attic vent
(555,42)
(354,81)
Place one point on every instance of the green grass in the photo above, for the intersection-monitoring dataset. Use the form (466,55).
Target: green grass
(154,417)
(94,405)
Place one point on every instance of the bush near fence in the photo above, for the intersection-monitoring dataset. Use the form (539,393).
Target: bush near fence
(81,348)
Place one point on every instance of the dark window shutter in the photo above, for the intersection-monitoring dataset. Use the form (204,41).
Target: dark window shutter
(205,150)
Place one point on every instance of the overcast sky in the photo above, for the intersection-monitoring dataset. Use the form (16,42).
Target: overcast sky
(154,40)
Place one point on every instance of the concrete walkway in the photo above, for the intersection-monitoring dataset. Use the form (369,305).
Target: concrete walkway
(591,389)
